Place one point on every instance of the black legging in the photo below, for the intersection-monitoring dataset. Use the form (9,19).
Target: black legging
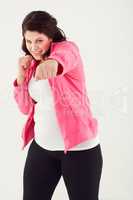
(81,171)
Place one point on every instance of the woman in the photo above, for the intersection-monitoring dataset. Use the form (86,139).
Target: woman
(50,89)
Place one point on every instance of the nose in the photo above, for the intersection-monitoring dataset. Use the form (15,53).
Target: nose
(34,47)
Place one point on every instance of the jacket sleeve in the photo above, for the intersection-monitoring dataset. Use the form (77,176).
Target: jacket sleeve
(22,97)
(66,53)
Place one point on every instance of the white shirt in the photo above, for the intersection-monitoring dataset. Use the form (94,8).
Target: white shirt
(47,131)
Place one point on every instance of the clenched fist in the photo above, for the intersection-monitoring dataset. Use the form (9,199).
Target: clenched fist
(46,69)
(24,62)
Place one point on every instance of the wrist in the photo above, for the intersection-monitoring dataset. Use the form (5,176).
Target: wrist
(20,79)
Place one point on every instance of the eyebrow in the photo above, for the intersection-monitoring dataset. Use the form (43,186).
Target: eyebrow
(35,39)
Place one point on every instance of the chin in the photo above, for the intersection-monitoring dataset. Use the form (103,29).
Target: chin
(37,57)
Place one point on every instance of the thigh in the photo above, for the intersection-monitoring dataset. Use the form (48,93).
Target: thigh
(81,171)
(41,174)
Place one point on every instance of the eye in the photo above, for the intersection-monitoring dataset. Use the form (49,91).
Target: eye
(40,40)
(28,41)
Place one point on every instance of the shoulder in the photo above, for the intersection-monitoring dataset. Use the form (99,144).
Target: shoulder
(64,45)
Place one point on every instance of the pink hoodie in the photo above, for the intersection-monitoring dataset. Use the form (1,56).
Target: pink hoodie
(72,105)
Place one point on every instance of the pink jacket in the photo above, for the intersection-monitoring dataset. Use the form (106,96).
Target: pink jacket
(72,105)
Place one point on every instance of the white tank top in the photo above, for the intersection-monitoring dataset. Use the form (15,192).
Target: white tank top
(47,131)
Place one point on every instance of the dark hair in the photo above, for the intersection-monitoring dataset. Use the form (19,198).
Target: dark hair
(41,22)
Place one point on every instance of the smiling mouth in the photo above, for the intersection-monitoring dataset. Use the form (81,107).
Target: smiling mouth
(36,52)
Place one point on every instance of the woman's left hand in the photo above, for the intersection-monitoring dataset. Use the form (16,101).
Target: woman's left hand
(46,69)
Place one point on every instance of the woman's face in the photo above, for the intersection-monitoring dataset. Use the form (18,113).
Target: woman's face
(37,43)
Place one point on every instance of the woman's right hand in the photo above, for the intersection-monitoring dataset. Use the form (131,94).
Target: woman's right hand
(24,62)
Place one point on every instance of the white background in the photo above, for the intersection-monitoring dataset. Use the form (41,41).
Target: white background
(103,31)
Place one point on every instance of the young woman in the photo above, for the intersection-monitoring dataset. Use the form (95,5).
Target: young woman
(50,88)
